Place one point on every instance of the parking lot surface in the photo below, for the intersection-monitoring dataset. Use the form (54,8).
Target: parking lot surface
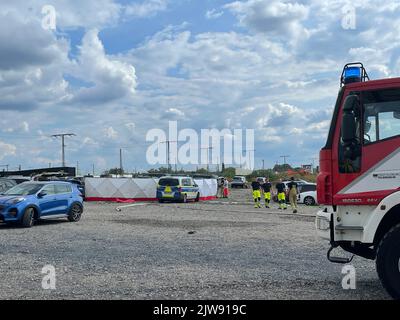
(222,249)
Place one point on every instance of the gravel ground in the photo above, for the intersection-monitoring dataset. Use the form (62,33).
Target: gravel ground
(211,250)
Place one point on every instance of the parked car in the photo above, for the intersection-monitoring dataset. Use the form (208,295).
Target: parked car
(308,194)
(19,179)
(239,182)
(181,189)
(300,183)
(261,180)
(79,184)
(6,184)
(30,201)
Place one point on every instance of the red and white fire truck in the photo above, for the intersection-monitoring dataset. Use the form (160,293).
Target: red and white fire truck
(359,180)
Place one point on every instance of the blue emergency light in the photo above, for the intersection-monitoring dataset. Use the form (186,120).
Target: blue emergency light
(353,72)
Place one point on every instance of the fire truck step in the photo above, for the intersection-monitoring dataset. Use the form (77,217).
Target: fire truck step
(340,260)
(351,228)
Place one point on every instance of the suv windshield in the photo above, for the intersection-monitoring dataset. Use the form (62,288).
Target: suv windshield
(169,182)
(24,189)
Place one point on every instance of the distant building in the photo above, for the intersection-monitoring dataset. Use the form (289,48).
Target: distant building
(307,168)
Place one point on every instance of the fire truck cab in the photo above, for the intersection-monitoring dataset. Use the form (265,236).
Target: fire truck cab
(359,180)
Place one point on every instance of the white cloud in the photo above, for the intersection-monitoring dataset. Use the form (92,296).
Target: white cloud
(70,14)
(214,14)
(89,142)
(130,126)
(31,63)
(6,150)
(111,133)
(176,112)
(112,78)
(275,17)
(25,126)
(147,8)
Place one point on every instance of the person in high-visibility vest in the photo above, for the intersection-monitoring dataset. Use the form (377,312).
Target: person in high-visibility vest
(293,190)
(280,187)
(266,186)
(255,185)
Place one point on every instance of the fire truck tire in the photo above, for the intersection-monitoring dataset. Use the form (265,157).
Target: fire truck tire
(388,262)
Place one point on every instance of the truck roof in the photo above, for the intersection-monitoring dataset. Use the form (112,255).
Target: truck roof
(374,84)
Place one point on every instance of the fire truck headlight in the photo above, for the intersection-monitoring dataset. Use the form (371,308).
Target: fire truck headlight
(323,223)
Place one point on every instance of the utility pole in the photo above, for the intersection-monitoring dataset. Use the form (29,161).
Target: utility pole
(208,156)
(313,163)
(263,166)
(5,166)
(77,168)
(313,160)
(284,159)
(93,169)
(241,155)
(62,136)
(120,162)
(168,142)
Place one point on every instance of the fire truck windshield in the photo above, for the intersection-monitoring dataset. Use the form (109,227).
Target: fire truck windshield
(381,111)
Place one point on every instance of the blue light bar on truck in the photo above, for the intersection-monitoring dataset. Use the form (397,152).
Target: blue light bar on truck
(353,72)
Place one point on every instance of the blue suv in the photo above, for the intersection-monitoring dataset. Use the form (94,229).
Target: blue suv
(32,201)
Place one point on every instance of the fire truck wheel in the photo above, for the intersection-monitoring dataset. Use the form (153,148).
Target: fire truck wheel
(388,262)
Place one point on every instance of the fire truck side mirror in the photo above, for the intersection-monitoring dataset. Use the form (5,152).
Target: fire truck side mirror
(349,127)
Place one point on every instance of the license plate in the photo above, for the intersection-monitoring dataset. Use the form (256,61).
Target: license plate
(168,195)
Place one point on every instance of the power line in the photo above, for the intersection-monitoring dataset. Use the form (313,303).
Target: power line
(62,136)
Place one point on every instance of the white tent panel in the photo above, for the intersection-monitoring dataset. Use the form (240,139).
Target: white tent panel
(126,188)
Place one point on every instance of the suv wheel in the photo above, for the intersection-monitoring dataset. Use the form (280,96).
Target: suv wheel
(75,213)
(28,218)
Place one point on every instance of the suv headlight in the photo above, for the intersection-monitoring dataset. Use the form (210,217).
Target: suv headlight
(16,200)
